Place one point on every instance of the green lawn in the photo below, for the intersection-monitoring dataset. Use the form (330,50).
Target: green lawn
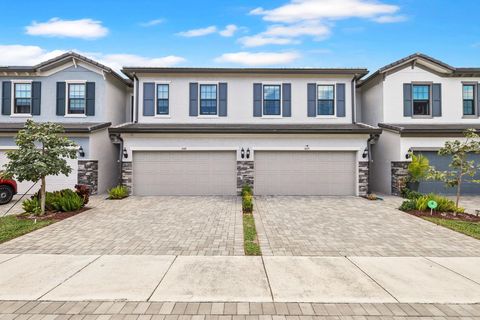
(250,236)
(471,229)
(11,227)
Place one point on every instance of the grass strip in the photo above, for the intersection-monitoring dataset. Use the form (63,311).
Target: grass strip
(471,229)
(250,240)
(11,227)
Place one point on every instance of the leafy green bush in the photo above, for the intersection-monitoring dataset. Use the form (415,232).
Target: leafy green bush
(31,206)
(247,203)
(411,194)
(420,203)
(68,201)
(118,192)
(246,189)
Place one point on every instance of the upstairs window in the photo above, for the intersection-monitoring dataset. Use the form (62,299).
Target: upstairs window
(325,100)
(208,99)
(76,98)
(421,100)
(468,99)
(271,100)
(162,99)
(23,98)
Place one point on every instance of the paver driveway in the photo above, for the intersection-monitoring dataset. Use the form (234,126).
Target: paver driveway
(143,225)
(351,226)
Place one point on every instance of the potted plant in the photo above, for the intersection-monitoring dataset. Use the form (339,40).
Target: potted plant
(418,170)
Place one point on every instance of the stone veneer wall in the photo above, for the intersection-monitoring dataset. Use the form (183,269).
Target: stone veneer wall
(362,178)
(245,171)
(127,175)
(88,174)
(399,176)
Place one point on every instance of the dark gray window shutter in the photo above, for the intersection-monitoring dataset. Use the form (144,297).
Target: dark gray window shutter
(61,94)
(340,99)
(193,107)
(149,99)
(36,97)
(286,100)
(6,98)
(222,97)
(312,100)
(90,101)
(407,100)
(257,99)
(437,100)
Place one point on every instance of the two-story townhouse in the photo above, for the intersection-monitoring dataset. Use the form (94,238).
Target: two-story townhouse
(82,95)
(209,131)
(420,103)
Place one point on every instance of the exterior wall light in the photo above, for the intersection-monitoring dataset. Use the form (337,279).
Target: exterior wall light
(81,153)
(248,153)
(242,153)
(365,153)
(408,155)
(125,153)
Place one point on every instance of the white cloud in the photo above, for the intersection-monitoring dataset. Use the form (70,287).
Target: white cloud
(261,40)
(56,27)
(301,10)
(152,23)
(287,34)
(119,60)
(198,32)
(258,58)
(229,30)
(32,55)
(390,19)
(15,55)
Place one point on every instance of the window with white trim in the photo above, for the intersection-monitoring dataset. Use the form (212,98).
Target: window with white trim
(162,99)
(22,103)
(325,100)
(208,99)
(76,98)
(271,100)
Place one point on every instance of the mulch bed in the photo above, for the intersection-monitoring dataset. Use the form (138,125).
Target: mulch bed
(57,215)
(446,215)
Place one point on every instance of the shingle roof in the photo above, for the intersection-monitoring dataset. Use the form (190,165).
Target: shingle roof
(243,128)
(78,127)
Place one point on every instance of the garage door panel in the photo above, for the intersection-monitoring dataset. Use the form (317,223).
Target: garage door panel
(305,173)
(184,173)
(54,183)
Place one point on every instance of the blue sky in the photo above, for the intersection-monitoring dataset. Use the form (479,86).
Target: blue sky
(289,33)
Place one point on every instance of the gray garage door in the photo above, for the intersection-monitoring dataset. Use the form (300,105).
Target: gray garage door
(441,163)
(305,173)
(184,173)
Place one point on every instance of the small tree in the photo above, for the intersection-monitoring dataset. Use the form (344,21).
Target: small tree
(41,152)
(460,166)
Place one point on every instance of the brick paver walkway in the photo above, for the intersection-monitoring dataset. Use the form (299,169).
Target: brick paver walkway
(106,310)
(340,226)
(143,225)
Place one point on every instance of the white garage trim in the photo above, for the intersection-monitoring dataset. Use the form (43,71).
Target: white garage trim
(183,149)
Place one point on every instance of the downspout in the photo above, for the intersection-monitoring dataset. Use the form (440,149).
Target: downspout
(136,91)
(371,141)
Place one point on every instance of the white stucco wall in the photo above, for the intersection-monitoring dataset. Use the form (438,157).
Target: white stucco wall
(371,97)
(386,150)
(240,98)
(103,150)
(452,104)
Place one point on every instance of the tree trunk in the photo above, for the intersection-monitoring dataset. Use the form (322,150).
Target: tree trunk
(42,197)
(459,185)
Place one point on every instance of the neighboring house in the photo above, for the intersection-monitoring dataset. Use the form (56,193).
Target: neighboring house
(420,103)
(209,131)
(78,93)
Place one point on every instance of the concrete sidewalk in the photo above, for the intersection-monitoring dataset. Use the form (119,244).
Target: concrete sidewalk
(239,279)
